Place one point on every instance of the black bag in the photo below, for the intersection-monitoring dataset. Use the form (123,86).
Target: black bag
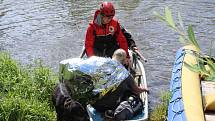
(129,108)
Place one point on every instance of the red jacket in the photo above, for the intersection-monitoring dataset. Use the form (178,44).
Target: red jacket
(96,29)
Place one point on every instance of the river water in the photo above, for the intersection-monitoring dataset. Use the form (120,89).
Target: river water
(54,30)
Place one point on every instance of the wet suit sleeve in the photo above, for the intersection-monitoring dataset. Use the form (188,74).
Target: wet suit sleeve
(122,40)
(129,38)
(89,41)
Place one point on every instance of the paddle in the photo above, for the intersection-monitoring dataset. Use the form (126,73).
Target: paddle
(140,55)
(82,52)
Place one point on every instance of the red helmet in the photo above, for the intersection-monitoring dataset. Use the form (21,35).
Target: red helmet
(107,9)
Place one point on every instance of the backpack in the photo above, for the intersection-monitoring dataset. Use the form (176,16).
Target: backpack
(126,109)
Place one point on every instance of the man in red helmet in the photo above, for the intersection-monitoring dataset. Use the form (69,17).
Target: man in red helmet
(104,34)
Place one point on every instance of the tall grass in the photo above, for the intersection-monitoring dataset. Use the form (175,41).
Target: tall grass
(25,92)
(159,113)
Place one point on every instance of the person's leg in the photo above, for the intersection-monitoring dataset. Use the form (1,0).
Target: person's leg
(109,51)
(66,107)
(57,100)
(98,52)
(108,102)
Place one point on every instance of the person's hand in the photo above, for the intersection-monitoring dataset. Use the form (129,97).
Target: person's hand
(142,88)
(145,89)
(135,48)
(128,62)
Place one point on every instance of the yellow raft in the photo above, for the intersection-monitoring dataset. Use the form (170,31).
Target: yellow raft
(186,101)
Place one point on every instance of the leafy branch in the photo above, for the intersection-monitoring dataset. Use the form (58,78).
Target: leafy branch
(206,64)
(168,19)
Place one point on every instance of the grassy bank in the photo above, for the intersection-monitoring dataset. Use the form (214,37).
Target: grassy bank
(25,92)
(159,113)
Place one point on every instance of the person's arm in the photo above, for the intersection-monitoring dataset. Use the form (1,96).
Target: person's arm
(89,41)
(122,40)
(129,38)
(134,87)
(139,89)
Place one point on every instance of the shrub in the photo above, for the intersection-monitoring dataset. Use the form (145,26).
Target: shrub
(25,92)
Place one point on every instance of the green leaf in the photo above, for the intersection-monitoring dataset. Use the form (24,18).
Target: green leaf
(192,37)
(159,16)
(211,78)
(182,40)
(211,65)
(180,20)
(169,19)
(197,69)
(193,68)
(201,64)
(210,49)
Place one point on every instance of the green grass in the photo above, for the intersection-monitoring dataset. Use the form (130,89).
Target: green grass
(159,113)
(25,92)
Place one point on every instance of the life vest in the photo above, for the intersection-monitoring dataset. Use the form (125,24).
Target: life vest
(105,37)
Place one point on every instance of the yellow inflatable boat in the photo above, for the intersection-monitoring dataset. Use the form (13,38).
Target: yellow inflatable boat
(186,103)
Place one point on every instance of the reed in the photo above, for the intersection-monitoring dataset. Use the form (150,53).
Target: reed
(206,63)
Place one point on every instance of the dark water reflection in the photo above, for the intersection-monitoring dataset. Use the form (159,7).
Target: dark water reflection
(53,30)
